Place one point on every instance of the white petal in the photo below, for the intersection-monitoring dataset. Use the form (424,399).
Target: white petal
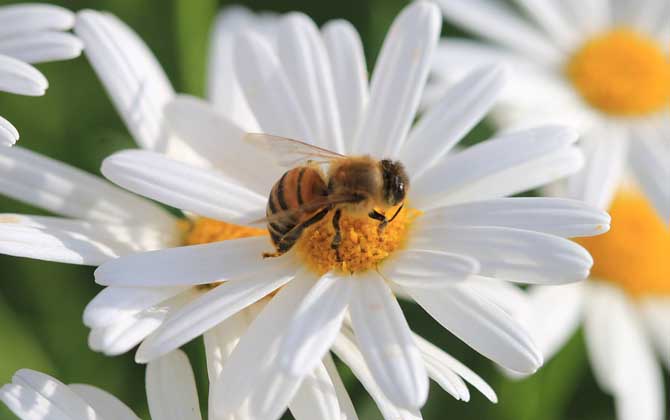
(189,265)
(106,404)
(650,160)
(656,312)
(621,356)
(348,412)
(501,25)
(8,134)
(316,397)
(204,192)
(350,75)
(551,17)
(65,190)
(591,18)
(220,342)
(36,396)
(115,303)
(347,350)
(26,18)
(398,80)
(211,309)
(482,325)
(554,216)
(387,344)
(315,324)
(223,89)
(508,296)
(459,110)
(171,391)
(21,78)
(133,78)
(428,269)
(444,359)
(304,58)
(252,383)
(220,141)
(267,89)
(516,255)
(605,151)
(506,165)
(41,47)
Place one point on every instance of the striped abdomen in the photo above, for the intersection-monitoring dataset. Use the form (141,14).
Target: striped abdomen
(297,187)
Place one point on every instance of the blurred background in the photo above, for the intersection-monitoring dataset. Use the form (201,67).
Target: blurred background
(41,303)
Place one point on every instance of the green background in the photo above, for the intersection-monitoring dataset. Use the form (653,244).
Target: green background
(41,303)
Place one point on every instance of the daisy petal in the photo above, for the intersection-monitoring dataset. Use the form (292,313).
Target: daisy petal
(387,344)
(428,269)
(21,78)
(605,151)
(208,131)
(656,312)
(621,354)
(448,121)
(65,190)
(347,350)
(650,160)
(315,324)
(304,58)
(252,384)
(348,412)
(130,73)
(539,156)
(201,191)
(550,16)
(171,391)
(35,396)
(114,303)
(18,19)
(553,216)
(8,134)
(268,90)
(440,357)
(350,74)
(42,47)
(106,404)
(501,25)
(316,398)
(211,309)
(482,325)
(398,80)
(220,342)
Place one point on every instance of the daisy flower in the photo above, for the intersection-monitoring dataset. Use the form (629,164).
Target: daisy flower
(603,66)
(447,249)
(99,222)
(31,33)
(170,387)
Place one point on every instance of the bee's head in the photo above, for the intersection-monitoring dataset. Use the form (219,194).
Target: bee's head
(396,182)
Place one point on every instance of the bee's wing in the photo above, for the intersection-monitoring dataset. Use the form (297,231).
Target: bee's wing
(311,207)
(289,152)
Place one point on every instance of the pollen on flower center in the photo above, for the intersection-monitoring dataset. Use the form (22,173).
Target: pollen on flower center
(363,244)
(622,73)
(634,253)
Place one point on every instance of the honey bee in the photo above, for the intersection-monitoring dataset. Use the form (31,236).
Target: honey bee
(304,194)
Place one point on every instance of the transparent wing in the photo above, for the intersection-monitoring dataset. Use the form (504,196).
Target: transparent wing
(289,152)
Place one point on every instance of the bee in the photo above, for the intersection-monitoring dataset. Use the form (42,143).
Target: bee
(304,194)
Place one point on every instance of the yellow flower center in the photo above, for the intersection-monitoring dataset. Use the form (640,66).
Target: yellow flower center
(635,253)
(364,245)
(622,73)
(205,231)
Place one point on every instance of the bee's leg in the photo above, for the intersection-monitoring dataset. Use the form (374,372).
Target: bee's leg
(374,214)
(337,238)
(396,212)
(289,239)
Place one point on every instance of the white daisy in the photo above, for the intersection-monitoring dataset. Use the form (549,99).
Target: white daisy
(312,85)
(101,222)
(601,65)
(31,33)
(624,308)
(170,387)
